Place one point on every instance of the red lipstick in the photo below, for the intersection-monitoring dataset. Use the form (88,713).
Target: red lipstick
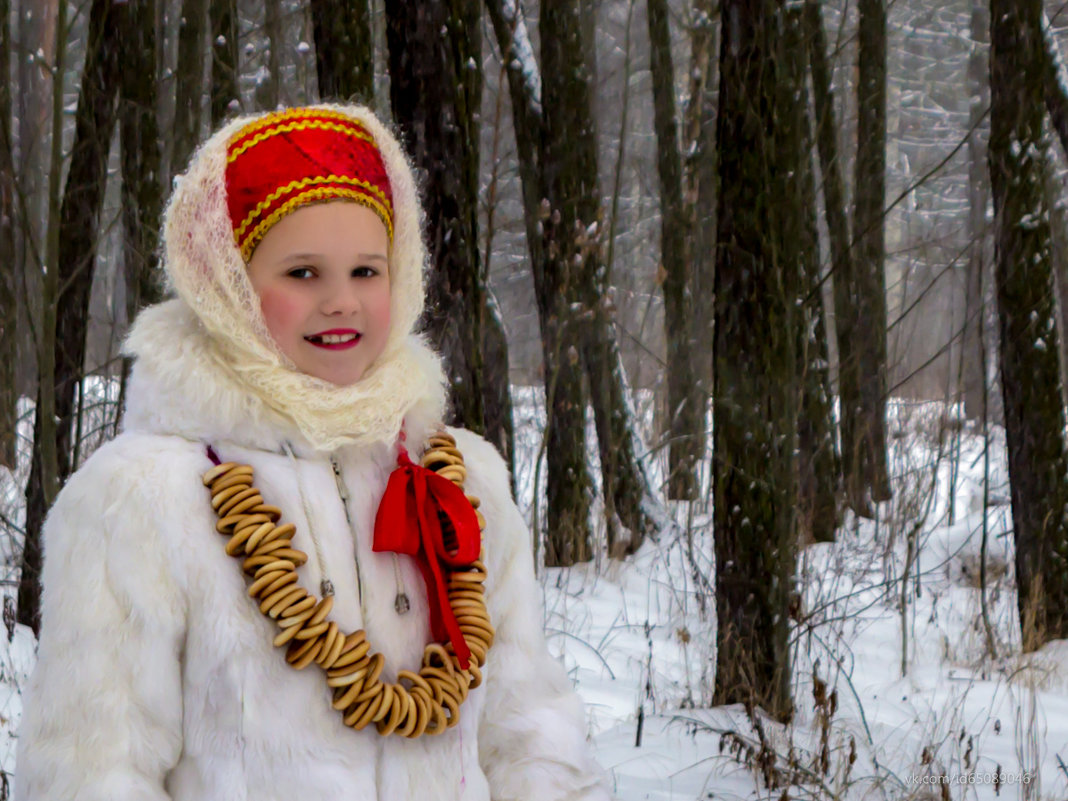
(352,338)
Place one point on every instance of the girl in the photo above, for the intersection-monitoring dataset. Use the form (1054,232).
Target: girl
(253,592)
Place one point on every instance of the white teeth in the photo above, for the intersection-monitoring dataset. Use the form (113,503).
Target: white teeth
(334,339)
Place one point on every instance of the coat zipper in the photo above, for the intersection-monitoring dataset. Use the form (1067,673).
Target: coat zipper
(401,602)
(343,493)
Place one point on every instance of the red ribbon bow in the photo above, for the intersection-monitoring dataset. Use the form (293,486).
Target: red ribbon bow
(410,520)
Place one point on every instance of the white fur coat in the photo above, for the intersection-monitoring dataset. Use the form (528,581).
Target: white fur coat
(156,677)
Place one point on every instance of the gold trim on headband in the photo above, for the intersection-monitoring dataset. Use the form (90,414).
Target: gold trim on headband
(323,193)
(300,125)
(302,182)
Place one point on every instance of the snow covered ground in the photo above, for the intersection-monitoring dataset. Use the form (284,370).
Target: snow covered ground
(638,638)
(958,723)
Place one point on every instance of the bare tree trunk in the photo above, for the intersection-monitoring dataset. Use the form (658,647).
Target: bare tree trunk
(685,401)
(44,482)
(344,47)
(569,160)
(754,372)
(8,258)
(497,392)
(1034,414)
(36,29)
(188,83)
(524,86)
(435,97)
(568,180)
(973,352)
(558,166)
(1055,92)
(142,196)
(867,475)
(1059,260)
(1056,98)
(272,25)
(568,485)
(79,219)
(225,99)
(817,458)
(843,269)
(700,189)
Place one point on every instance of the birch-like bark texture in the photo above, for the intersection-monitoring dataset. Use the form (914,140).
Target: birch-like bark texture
(1034,414)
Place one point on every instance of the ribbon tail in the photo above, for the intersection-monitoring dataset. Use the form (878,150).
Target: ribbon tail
(430,531)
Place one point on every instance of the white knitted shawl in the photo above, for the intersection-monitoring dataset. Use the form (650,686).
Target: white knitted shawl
(205,268)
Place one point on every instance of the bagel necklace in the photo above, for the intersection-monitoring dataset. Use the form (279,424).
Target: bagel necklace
(444,537)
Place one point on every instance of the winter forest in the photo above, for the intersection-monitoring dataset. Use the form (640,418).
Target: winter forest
(764,302)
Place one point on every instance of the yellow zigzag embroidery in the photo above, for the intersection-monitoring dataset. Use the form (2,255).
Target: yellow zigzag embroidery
(313,194)
(348,129)
(311,181)
(275,117)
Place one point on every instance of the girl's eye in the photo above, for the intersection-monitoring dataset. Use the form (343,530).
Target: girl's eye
(364,272)
(300,272)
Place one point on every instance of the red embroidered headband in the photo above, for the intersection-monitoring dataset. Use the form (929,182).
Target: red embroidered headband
(287,159)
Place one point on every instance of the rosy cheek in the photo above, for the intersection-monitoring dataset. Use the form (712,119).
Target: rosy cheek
(281,313)
(378,307)
(382,312)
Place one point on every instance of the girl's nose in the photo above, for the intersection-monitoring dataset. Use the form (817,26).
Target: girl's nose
(340,299)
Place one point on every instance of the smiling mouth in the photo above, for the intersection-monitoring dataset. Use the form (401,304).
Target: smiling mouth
(334,341)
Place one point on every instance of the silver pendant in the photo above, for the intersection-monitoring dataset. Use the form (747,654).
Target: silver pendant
(401,603)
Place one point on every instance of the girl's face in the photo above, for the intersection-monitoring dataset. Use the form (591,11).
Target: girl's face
(322,275)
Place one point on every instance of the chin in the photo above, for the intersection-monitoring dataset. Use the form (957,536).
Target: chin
(342,379)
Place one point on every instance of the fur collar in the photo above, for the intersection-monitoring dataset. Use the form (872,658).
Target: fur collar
(180,386)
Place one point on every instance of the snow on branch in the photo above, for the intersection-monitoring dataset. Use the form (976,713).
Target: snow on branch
(521,52)
(1056,84)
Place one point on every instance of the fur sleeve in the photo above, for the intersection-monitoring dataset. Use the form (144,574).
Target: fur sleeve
(532,732)
(104,707)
